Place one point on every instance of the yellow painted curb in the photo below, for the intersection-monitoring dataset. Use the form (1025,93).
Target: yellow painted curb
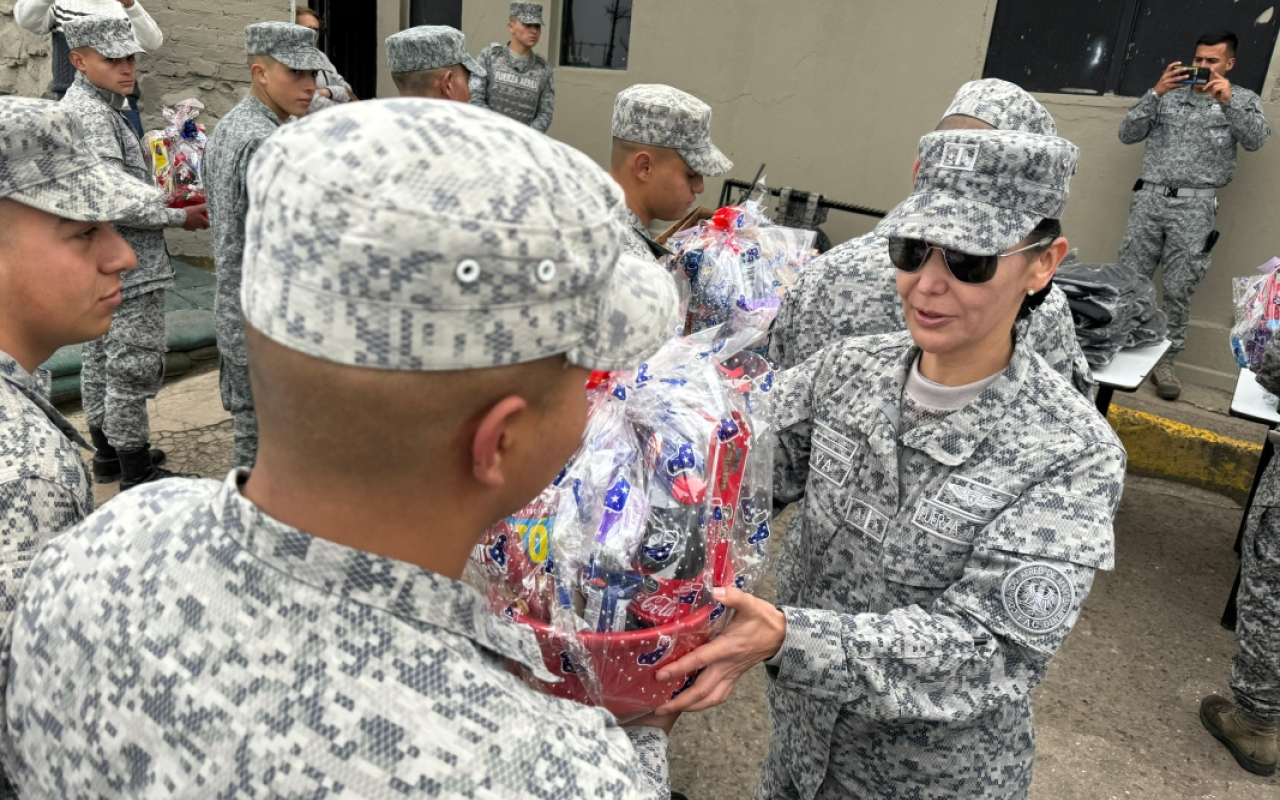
(1162,448)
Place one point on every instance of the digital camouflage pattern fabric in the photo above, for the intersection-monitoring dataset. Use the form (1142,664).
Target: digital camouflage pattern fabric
(291,45)
(528,13)
(1002,105)
(982,192)
(428,47)
(112,37)
(231,147)
(663,116)
(536,270)
(47,165)
(636,242)
(930,575)
(852,290)
(523,89)
(123,369)
(44,486)
(267,663)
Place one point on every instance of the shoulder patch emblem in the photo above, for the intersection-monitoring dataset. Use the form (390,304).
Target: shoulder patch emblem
(1038,597)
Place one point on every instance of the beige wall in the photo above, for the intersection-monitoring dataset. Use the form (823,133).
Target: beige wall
(834,95)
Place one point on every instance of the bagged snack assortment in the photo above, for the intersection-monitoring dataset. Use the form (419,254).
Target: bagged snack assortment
(737,264)
(669,496)
(1257,306)
(177,154)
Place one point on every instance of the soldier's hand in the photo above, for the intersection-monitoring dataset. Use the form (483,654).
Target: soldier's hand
(126,3)
(755,635)
(197,218)
(1220,88)
(1173,76)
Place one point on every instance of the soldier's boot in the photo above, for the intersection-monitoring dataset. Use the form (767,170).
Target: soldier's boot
(1165,377)
(106,461)
(137,468)
(1251,740)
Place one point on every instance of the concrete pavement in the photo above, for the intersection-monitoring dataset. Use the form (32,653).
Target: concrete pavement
(1116,716)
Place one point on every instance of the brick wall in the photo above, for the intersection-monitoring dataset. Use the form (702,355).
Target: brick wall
(202,57)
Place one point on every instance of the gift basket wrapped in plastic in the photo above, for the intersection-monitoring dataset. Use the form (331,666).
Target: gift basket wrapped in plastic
(177,154)
(1257,309)
(738,262)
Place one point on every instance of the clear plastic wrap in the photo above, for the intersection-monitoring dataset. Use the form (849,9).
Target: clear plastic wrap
(738,263)
(176,154)
(669,496)
(1113,308)
(1257,310)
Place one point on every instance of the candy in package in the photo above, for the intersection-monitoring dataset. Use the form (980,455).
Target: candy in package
(669,496)
(737,263)
(1257,310)
(177,154)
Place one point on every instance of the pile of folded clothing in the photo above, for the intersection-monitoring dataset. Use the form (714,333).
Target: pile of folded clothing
(1113,308)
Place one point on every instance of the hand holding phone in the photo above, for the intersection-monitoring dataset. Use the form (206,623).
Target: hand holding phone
(1173,77)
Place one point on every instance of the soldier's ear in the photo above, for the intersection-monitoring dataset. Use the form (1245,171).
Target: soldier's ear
(642,164)
(77,60)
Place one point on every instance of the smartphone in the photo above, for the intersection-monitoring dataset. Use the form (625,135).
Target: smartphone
(1196,76)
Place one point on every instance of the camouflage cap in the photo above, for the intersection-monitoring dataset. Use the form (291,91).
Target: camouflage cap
(427,235)
(112,37)
(45,164)
(1002,105)
(430,47)
(528,13)
(291,45)
(650,113)
(982,192)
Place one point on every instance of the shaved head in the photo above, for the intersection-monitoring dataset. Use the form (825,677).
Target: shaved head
(423,83)
(963,122)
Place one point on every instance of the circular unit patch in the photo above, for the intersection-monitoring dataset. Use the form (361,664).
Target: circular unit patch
(1038,597)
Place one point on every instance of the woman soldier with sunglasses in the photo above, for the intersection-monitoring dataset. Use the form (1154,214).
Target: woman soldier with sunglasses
(958,496)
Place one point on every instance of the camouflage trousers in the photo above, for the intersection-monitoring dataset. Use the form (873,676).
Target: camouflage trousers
(123,369)
(1255,674)
(237,398)
(1172,231)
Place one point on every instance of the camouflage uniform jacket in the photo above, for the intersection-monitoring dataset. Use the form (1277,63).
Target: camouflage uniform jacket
(853,291)
(226,166)
(930,575)
(1192,138)
(44,488)
(183,644)
(637,242)
(521,88)
(110,137)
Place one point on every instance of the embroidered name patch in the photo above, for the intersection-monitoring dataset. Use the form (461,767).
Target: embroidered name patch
(946,522)
(973,499)
(832,454)
(867,519)
(1038,597)
(959,156)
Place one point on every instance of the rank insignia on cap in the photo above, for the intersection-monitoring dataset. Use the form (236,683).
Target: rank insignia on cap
(960,156)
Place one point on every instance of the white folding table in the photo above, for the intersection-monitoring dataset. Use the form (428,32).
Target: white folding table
(1127,371)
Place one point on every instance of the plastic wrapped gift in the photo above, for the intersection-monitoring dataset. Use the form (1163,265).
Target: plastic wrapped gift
(1257,309)
(177,154)
(669,496)
(738,263)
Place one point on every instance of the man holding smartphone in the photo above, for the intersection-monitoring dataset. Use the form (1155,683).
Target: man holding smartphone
(1192,129)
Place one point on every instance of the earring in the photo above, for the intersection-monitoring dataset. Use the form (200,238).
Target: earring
(1030,292)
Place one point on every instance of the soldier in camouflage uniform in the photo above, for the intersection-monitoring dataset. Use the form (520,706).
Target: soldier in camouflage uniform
(432,61)
(285,61)
(958,497)
(852,290)
(518,82)
(661,151)
(275,642)
(126,367)
(1248,726)
(60,269)
(1191,134)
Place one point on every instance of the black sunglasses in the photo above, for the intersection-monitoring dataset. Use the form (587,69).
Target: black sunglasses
(909,255)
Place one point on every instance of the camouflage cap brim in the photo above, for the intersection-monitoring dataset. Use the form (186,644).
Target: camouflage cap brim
(961,224)
(529,19)
(474,67)
(640,310)
(706,161)
(303,58)
(92,193)
(119,48)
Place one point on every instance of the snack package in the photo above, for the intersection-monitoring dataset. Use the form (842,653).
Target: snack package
(177,154)
(1257,309)
(737,264)
(669,496)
